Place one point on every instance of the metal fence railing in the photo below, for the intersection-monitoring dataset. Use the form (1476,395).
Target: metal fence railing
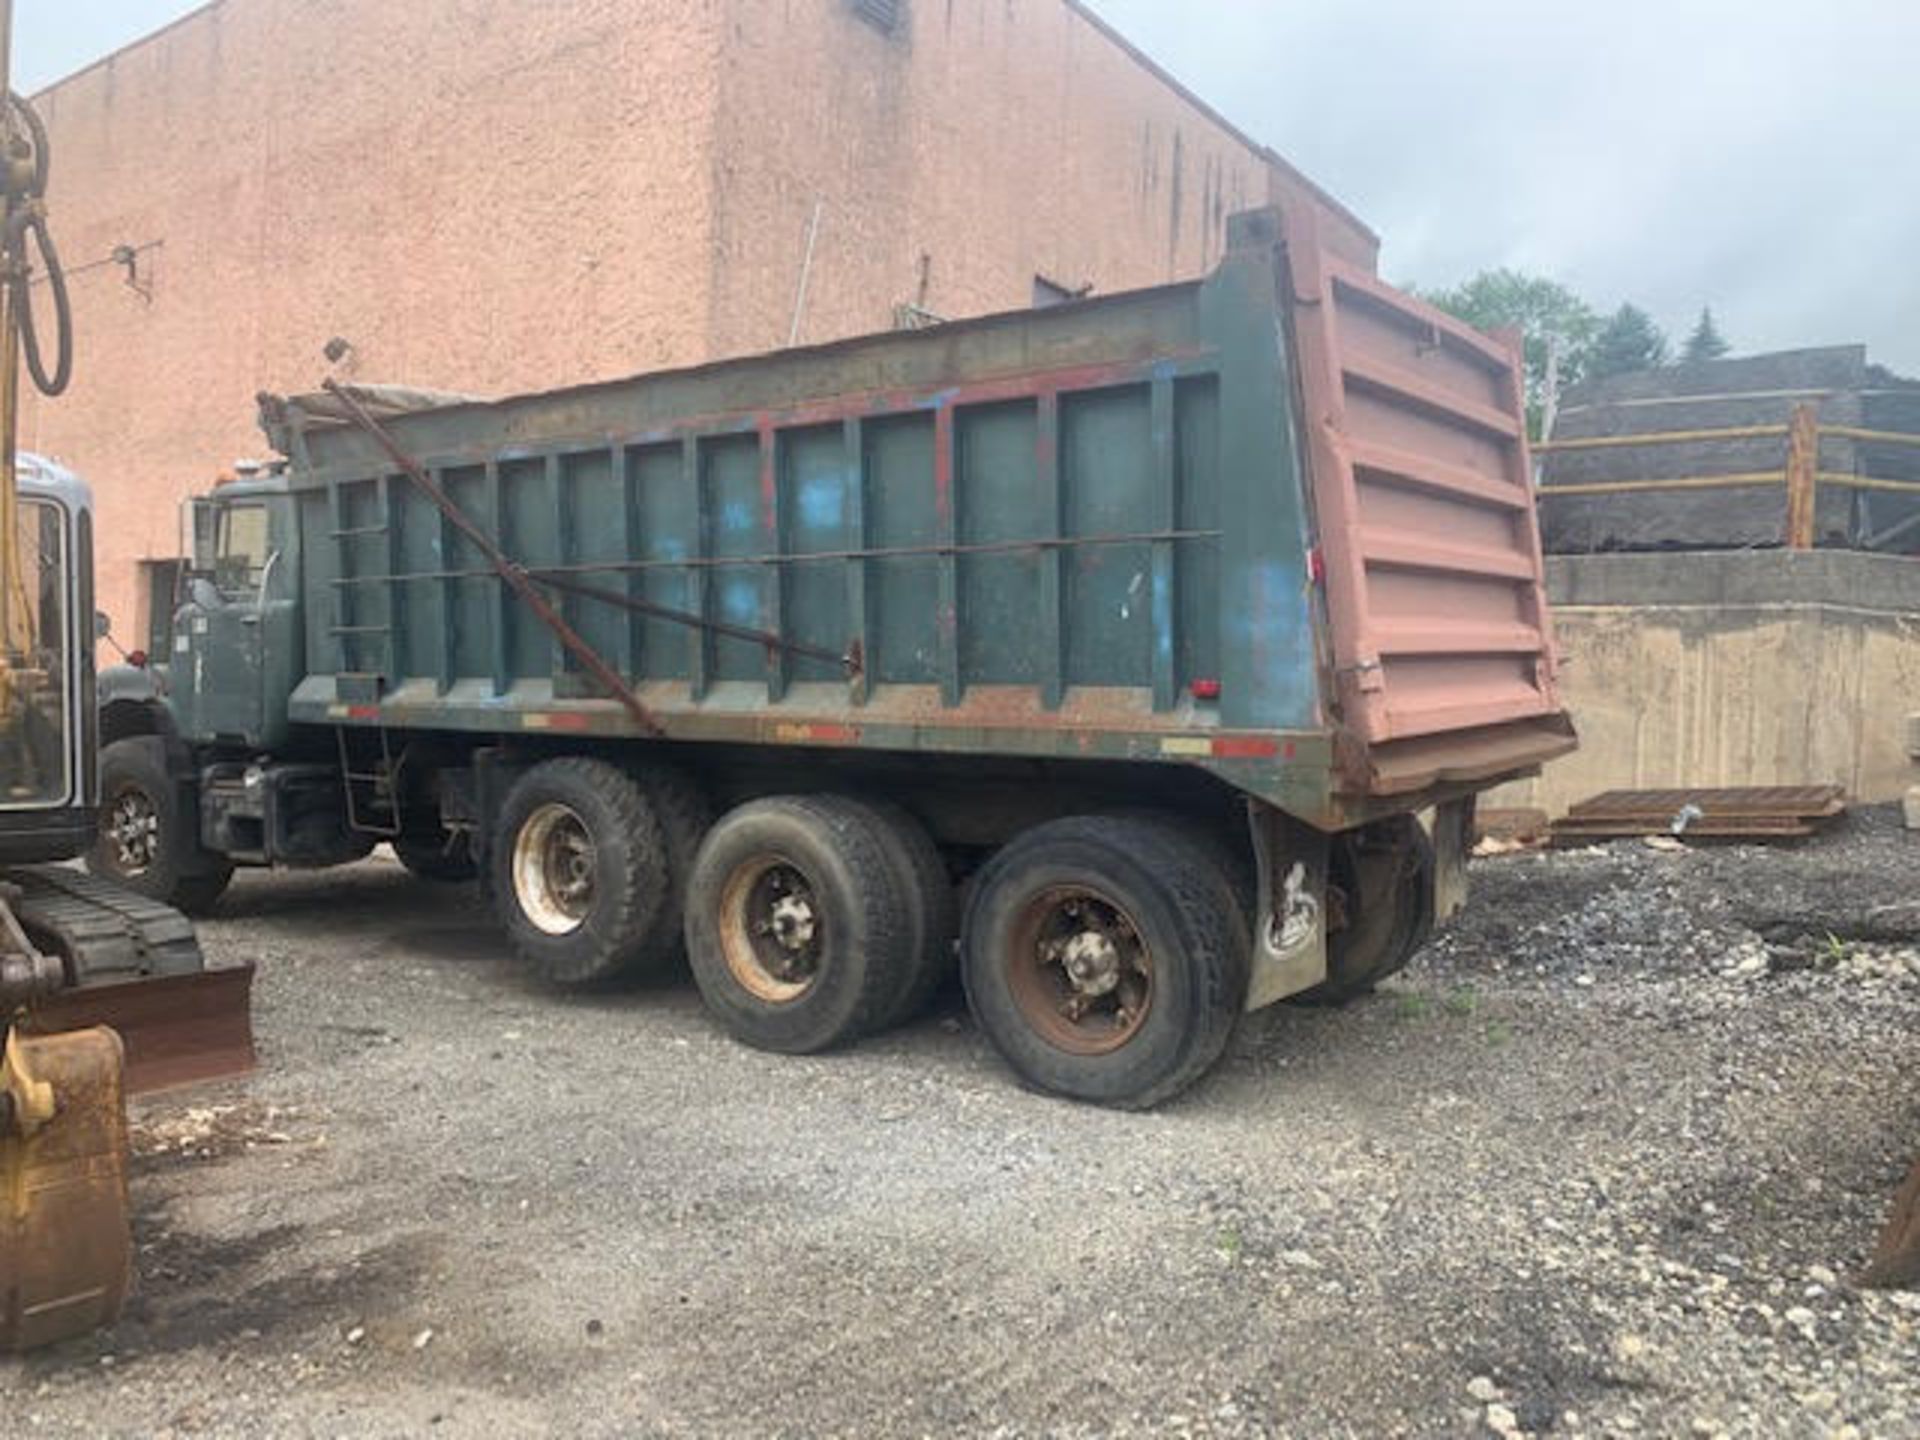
(1800,475)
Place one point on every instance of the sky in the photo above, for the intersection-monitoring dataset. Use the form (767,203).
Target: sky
(1758,156)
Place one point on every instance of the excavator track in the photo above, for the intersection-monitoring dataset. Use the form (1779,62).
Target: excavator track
(134,965)
(101,932)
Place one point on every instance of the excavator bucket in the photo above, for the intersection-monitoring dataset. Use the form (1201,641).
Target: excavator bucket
(177,1029)
(66,1252)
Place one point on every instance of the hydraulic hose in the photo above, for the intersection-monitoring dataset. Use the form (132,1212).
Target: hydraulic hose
(56,381)
(29,219)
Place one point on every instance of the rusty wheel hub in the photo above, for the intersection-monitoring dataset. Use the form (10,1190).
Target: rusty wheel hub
(771,930)
(1080,971)
(554,862)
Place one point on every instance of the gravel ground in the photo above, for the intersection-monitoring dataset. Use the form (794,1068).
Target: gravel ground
(1601,1162)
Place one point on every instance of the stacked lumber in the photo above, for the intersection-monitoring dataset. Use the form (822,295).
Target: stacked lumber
(1754,812)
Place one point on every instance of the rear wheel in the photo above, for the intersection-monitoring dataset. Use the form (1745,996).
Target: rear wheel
(1383,876)
(578,871)
(1104,959)
(932,911)
(796,925)
(146,841)
(685,817)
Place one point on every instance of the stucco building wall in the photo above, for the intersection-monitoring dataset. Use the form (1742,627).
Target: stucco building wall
(488,197)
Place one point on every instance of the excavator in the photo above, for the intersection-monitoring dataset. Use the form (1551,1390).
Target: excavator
(103,993)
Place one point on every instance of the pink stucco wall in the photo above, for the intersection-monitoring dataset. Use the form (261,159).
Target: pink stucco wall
(488,197)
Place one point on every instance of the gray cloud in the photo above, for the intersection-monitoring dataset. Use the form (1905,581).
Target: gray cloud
(1761,157)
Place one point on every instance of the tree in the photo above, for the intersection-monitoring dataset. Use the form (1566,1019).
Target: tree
(1629,341)
(1546,313)
(1706,342)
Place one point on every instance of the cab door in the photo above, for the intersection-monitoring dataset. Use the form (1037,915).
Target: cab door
(234,636)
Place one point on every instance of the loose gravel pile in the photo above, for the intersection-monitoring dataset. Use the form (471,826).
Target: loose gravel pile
(1603,1162)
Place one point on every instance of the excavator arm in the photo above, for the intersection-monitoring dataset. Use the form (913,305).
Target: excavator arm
(101,990)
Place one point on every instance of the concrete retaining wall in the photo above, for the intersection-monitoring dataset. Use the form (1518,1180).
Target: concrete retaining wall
(1733,668)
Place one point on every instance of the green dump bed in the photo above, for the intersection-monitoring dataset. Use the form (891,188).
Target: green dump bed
(1278,523)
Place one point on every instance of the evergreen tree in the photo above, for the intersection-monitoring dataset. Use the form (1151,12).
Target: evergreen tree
(1629,341)
(1706,342)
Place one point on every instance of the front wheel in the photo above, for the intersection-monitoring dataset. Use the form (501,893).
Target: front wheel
(146,839)
(797,929)
(1103,958)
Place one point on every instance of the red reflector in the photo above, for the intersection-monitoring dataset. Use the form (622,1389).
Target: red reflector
(1206,689)
(1316,566)
(1245,747)
(363,712)
(567,720)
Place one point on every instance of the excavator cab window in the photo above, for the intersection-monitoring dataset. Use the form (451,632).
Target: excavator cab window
(34,770)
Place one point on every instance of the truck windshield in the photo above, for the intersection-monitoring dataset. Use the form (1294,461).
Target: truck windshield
(34,662)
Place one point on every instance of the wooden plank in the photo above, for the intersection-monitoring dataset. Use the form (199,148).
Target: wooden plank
(1803,464)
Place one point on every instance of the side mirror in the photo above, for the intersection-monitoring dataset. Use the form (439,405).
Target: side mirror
(102,625)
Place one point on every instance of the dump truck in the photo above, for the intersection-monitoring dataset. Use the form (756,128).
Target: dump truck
(1148,651)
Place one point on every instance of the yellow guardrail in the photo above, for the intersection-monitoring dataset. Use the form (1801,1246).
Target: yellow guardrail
(1799,475)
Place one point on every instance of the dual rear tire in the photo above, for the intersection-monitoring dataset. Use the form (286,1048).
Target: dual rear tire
(588,868)
(1105,958)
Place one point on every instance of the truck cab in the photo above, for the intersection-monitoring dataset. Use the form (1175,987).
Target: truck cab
(236,643)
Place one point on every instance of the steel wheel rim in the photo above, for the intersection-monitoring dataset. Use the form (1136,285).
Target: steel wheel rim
(554,865)
(133,830)
(772,934)
(1080,970)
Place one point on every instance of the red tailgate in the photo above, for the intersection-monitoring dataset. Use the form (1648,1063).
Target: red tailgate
(1436,604)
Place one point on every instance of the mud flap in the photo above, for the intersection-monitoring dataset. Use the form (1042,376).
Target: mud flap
(66,1252)
(1452,844)
(177,1029)
(1290,930)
